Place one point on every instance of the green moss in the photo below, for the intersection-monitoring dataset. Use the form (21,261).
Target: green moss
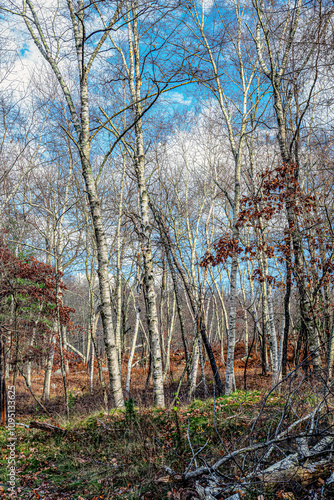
(197,403)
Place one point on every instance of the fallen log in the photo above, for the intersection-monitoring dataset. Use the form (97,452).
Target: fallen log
(305,474)
(298,467)
(46,427)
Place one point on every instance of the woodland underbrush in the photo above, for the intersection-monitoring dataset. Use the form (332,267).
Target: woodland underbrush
(226,443)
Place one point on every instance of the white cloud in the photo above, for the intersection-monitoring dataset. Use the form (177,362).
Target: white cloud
(207,4)
(177,98)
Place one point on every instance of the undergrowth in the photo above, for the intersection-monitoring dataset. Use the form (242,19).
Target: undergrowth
(123,454)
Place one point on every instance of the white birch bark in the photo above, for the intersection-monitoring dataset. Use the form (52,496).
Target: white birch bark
(93,316)
(152,316)
(83,141)
(224,316)
(136,327)
(119,267)
(169,339)
(48,371)
(243,291)
(194,368)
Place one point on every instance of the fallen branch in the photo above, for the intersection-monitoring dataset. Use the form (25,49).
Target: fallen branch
(138,361)
(102,424)
(47,427)
(203,470)
(23,425)
(78,353)
(283,436)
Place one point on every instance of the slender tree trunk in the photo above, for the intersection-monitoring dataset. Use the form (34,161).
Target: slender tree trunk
(223,313)
(163,299)
(103,265)
(64,335)
(253,305)
(83,140)
(242,282)
(93,321)
(152,316)
(194,370)
(202,363)
(91,367)
(100,372)
(169,340)
(220,332)
(135,333)
(273,339)
(48,370)
(207,314)
(61,341)
(280,349)
(286,316)
(180,315)
(268,301)
(119,268)
(29,363)
(330,357)
(3,392)
(229,381)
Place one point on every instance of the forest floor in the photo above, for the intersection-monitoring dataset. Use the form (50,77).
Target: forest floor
(130,453)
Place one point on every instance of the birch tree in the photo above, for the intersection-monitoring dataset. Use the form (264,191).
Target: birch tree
(139,161)
(88,46)
(235,107)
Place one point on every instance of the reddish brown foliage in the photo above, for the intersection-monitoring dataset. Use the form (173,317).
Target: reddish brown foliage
(28,305)
(280,189)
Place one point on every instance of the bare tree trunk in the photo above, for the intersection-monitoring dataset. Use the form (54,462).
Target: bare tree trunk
(119,268)
(180,315)
(61,340)
(284,339)
(83,140)
(93,317)
(194,370)
(29,363)
(3,392)
(163,299)
(223,314)
(91,371)
(48,370)
(202,362)
(100,372)
(330,357)
(229,380)
(64,335)
(169,340)
(273,339)
(136,328)
(245,336)
(152,316)
(103,274)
